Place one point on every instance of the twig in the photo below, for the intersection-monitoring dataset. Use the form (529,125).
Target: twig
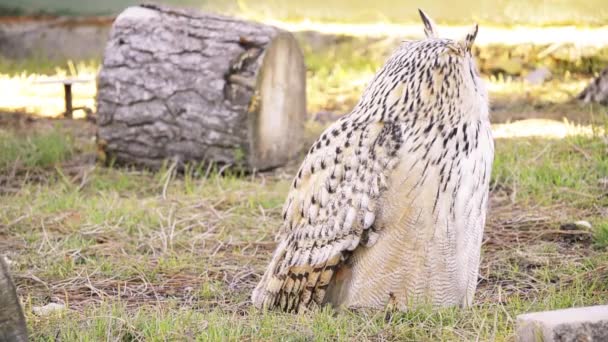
(581,151)
(85,178)
(169,176)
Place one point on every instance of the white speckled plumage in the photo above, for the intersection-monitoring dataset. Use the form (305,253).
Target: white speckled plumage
(390,203)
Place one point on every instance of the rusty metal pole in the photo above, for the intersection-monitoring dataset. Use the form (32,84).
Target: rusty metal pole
(12,321)
(67,89)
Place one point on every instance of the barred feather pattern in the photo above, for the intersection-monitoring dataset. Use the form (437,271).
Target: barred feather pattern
(425,112)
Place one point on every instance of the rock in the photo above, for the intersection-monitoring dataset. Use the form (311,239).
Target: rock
(538,76)
(575,324)
(12,320)
(48,309)
(325,117)
(8,261)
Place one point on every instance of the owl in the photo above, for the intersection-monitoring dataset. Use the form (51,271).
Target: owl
(389,205)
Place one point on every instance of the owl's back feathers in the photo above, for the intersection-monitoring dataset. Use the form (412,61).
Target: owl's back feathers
(418,105)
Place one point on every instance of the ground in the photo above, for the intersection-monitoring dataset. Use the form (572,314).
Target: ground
(142,255)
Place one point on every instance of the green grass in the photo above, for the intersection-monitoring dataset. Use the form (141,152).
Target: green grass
(337,74)
(36,151)
(601,234)
(562,170)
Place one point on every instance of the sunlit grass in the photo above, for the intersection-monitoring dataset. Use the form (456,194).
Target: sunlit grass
(547,129)
(339,68)
(555,91)
(488,34)
(21,92)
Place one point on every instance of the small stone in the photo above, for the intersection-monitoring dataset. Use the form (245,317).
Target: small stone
(48,309)
(326,117)
(8,261)
(578,225)
(575,324)
(538,76)
(583,224)
(78,259)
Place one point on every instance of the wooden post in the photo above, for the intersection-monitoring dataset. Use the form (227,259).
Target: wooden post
(67,89)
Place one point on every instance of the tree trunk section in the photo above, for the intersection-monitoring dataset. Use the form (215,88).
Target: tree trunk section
(191,87)
(597,90)
(12,321)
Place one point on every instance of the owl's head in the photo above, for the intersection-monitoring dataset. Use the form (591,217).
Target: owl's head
(447,59)
(431,77)
(462,46)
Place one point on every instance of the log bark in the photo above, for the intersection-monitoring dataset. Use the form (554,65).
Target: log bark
(195,87)
(12,321)
(597,90)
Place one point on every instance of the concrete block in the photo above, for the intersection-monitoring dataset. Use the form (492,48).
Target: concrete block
(585,324)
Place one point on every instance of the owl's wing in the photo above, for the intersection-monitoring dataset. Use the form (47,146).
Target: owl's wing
(329,211)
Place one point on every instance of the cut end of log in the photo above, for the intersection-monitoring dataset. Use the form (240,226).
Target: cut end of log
(281,90)
(194,87)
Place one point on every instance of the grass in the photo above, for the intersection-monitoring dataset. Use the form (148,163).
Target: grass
(36,151)
(569,169)
(601,234)
(139,255)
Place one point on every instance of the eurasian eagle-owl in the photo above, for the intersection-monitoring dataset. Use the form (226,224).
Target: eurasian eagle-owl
(390,203)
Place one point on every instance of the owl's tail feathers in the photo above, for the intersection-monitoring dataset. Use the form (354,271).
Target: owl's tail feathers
(297,289)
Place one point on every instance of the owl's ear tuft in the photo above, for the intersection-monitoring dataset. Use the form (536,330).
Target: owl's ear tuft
(469,39)
(430,29)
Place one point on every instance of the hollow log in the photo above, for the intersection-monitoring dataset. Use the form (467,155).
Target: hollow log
(597,90)
(186,86)
(12,321)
